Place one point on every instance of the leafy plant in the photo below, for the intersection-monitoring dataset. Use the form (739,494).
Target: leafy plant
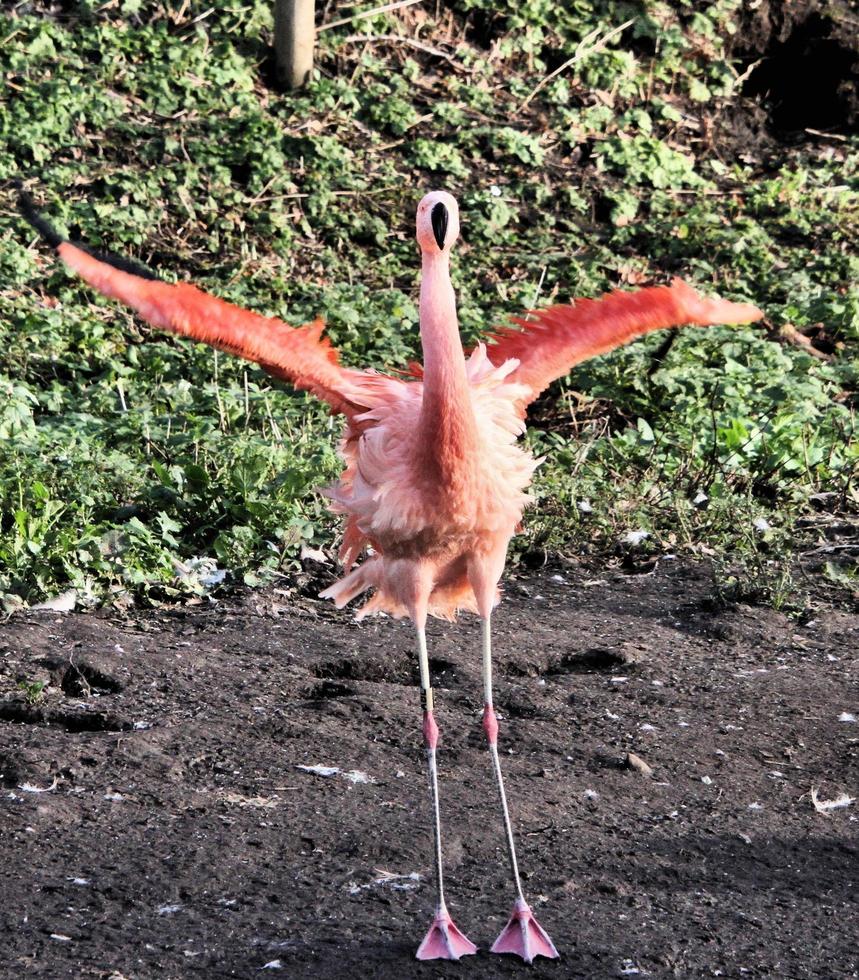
(33,691)
(124,455)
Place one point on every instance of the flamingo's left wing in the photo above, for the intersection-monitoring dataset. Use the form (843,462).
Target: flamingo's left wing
(552,341)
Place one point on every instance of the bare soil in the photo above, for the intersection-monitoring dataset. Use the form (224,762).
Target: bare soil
(178,837)
(800,62)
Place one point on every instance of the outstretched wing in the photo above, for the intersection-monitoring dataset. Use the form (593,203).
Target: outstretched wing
(552,341)
(299,355)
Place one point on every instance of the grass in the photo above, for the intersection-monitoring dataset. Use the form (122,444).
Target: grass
(151,129)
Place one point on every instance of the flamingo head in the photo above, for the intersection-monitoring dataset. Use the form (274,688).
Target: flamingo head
(437,222)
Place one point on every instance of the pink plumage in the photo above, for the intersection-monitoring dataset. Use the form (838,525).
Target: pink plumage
(552,341)
(435,483)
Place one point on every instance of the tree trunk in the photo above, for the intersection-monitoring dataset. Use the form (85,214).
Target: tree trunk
(294,37)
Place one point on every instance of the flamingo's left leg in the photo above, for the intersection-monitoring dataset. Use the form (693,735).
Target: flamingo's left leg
(523,934)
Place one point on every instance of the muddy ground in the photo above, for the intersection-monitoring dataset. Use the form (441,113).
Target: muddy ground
(178,837)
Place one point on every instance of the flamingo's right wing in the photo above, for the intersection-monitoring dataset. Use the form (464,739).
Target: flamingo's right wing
(301,356)
(554,340)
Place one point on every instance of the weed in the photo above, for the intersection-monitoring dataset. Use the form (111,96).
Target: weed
(33,691)
(123,452)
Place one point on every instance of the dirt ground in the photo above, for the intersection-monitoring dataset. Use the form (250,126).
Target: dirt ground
(175,834)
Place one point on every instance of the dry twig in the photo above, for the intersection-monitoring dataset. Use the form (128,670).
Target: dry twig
(585,47)
(411,42)
(789,333)
(387,8)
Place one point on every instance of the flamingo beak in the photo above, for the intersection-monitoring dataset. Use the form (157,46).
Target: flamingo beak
(438,217)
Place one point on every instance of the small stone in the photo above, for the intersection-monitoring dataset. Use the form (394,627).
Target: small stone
(635,762)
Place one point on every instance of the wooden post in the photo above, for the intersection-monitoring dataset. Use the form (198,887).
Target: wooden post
(294,37)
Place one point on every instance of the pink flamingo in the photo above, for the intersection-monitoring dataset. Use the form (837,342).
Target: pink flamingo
(434,480)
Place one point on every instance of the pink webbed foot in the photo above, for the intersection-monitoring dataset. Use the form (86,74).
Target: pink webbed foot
(444,941)
(524,936)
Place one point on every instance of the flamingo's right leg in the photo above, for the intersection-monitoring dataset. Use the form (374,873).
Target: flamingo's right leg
(443,941)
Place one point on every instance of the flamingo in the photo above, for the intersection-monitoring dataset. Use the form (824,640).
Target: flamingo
(434,485)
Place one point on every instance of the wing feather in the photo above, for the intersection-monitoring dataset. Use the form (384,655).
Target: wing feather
(552,341)
(299,355)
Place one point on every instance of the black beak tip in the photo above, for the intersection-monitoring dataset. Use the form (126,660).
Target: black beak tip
(438,217)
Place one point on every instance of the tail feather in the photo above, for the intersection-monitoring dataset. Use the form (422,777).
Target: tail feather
(46,230)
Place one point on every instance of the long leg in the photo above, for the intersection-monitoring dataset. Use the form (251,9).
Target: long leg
(490,726)
(444,940)
(522,935)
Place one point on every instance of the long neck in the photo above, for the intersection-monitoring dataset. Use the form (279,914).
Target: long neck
(447,425)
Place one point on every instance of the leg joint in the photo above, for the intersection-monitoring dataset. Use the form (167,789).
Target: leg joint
(430,730)
(490,724)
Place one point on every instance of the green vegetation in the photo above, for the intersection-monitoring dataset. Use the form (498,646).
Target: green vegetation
(150,129)
(33,691)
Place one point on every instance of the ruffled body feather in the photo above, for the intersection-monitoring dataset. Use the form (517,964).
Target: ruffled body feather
(398,511)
